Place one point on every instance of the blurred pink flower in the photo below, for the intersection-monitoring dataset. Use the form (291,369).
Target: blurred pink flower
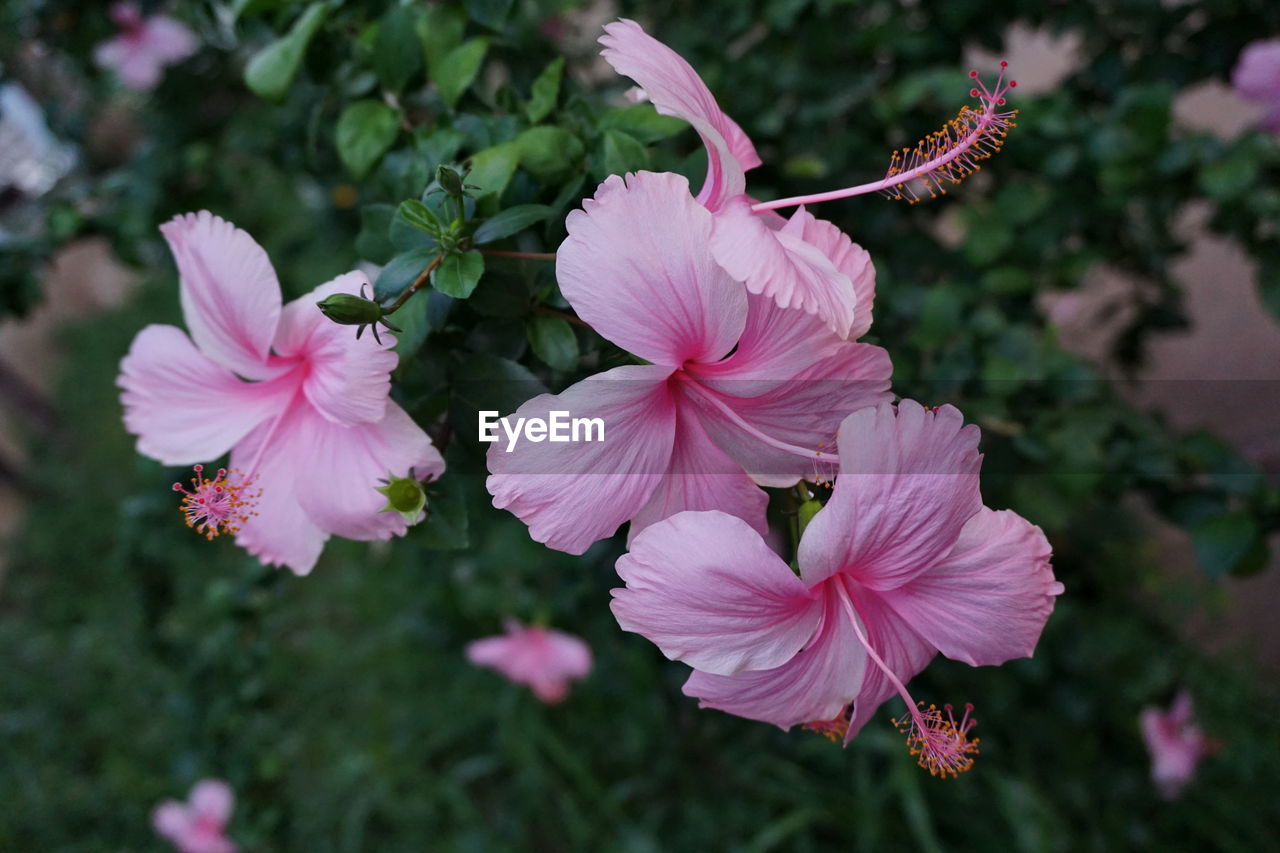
(300,402)
(801,262)
(199,825)
(904,561)
(143,47)
(1175,743)
(735,392)
(1257,77)
(540,658)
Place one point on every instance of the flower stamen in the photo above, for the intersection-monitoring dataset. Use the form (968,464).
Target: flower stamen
(941,744)
(219,505)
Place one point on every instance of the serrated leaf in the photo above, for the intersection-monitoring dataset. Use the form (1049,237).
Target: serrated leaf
(546,88)
(401,272)
(623,153)
(366,129)
(510,221)
(458,69)
(553,341)
(549,153)
(271,70)
(492,168)
(397,53)
(458,274)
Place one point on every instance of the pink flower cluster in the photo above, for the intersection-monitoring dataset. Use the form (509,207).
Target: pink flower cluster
(200,824)
(143,47)
(1176,745)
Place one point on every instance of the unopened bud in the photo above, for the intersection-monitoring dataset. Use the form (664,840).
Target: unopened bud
(450,180)
(404,495)
(350,310)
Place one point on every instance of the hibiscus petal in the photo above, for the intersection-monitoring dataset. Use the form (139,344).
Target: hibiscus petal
(986,602)
(280,533)
(901,648)
(793,380)
(572,494)
(847,257)
(636,267)
(676,90)
(782,265)
(706,589)
(348,380)
(171,819)
(183,407)
(338,489)
(816,684)
(213,800)
(167,39)
(908,482)
(702,477)
(230,294)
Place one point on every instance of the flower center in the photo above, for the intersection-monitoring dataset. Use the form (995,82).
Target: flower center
(941,744)
(218,505)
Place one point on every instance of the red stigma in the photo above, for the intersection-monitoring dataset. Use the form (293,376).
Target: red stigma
(973,73)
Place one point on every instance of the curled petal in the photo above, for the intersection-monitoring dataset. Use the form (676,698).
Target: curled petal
(212,799)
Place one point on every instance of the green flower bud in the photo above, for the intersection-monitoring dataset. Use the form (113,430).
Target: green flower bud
(405,495)
(808,510)
(450,180)
(350,310)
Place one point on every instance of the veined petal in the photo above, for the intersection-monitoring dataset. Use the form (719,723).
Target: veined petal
(230,294)
(348,380)
(702,477)
(636,267)
(847,257)
(706,589)
(780,264)
(987,601)
(816,684)
(676,90)
(572,494)
(182,406)
(907,485)
(338,489)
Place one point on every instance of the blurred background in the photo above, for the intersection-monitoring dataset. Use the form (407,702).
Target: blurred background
(1102,299)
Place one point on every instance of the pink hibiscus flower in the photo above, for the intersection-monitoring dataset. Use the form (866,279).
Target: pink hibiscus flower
(904,561)
(1257,77)
(200,824)
(540,658)
(736,391)
(300,402)
(1175,743)
(795,261)
(139,54)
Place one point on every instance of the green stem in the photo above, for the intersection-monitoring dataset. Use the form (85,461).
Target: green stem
(413,288)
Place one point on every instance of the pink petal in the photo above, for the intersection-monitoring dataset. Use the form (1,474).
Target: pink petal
(1257,72)
(572,494)
(816,684)
(706,589)
(183,407)
(138,69)
(702,477)
(338,489)
(230,295)
(783,266)
(636,267)
(212,799)
(348,380)
(171,819)
(901,648)
(908,483)
(281,533)
(849,258)
(168,40)
(110,54)
(543,659)
(987,601)
(790,379)
(676,90)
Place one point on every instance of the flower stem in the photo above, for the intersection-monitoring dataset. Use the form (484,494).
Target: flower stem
(415,287)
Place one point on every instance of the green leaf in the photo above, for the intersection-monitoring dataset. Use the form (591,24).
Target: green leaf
(373,243)
(401,272)
(546,88)
(1229,176)
(437,147)
(492,168)
(623,153)
(487,382)
(439,30)
(365,131)
(458,274)
(458,69)
(643,122)
(553,341)
(271,70)
(397,54)
(549,153)
(414,325)
(409,228)
(419,215)
(510,221)
(491,13)
(1222,543)
(445,528)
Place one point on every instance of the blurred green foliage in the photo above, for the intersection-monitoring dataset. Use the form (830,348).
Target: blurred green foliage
(139,658)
